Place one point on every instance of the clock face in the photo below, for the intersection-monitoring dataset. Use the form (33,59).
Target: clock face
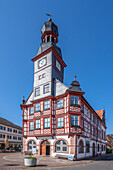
(42,62)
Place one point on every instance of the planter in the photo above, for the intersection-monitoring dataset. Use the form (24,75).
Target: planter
(30,161)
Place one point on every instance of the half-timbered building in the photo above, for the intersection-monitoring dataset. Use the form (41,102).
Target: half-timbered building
(58,120)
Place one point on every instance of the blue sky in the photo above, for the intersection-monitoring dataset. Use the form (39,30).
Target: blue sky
(85,37)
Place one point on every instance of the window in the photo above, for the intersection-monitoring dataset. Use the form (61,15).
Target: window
(19,138)
(46,88)
(82,108)
(37,91)
(82,124)
(31,145)
(102,147)
(37,107)
(81,147)
(31,125)
(9,129)
(74,120)
(75,100)
(3,136)
(60,103)
(98,147)
(19,132)
(46,104)
(47,123)
(0,135)
(60,122)
(61,146)
(39,77)
(31,110)
(37,124)
(52,38)
(58,65)
(4,128)
(87,146)
(14,131)
(48,38)
(43,75)
(14,137)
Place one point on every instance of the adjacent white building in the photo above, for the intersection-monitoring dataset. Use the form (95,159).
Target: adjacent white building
(12,131)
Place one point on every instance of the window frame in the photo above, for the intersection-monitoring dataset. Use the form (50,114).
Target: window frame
(75,116)
(48,104)
(87,147)
(37,124)
(61,122)
(60,104)
(31,129)
(82,148)
(31,113)
(37,107)
(48,123)
(37,91)
(73,100)
(46,88)
(61,146)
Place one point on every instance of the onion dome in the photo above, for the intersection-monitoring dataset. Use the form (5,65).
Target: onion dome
(75,86)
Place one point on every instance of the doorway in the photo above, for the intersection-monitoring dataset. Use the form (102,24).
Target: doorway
(93,149)
(45,148)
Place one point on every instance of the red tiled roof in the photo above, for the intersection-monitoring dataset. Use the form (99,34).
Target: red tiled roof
(100,113)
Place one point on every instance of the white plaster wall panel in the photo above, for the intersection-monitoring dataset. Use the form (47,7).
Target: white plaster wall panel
(60,88)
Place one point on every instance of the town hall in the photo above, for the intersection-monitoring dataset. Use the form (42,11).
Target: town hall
(57,119)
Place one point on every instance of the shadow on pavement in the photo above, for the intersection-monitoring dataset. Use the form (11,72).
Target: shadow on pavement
(12,164)
(107,157)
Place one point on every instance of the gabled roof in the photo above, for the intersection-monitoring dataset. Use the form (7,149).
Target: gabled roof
(8,123)
(100,112)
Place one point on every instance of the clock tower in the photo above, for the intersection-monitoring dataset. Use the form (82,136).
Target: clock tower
(48,63)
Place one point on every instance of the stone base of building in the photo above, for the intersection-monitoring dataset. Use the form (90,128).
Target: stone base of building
(63,146)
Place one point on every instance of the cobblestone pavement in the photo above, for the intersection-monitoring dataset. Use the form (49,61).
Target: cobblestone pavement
(14,161)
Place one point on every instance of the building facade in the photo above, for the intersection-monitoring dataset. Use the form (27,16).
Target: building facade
(58,120)
(12,131)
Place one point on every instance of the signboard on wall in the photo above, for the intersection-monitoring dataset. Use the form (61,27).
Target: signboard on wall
(71,157)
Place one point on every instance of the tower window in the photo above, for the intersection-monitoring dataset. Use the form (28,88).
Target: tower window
(52,38)
(37,91)
(46,88)
(48,38)
(58,65)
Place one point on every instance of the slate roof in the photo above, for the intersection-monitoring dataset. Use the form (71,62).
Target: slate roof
(8,123)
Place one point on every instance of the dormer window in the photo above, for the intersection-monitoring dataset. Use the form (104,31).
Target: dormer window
(37,91)
(46,88)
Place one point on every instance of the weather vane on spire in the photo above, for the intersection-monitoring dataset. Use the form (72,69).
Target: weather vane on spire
(49,16)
